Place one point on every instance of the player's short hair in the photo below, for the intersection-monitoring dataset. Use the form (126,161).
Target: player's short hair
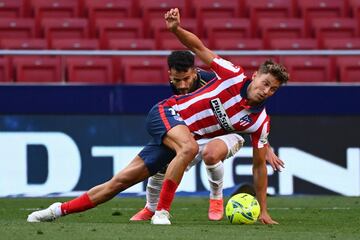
(181,61)
(275,69)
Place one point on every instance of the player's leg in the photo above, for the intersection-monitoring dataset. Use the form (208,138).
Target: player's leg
(156,157)
(168,129)
(153,188)
(180,139)
(213,154)
(135,172)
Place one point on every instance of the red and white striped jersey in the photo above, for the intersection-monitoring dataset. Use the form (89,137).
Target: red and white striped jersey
(221,106)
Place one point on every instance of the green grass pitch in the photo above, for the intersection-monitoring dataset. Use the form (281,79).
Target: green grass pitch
(325,217)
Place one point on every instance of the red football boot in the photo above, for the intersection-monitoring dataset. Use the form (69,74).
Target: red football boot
(216,209)
(143,215)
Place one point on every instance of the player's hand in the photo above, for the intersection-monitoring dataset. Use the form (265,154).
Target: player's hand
(172,19)
(265,218)
(276,163)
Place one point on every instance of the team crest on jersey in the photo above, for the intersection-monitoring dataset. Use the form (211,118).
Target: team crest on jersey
(245,120)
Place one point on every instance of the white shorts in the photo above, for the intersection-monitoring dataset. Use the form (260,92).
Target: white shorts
(233,142)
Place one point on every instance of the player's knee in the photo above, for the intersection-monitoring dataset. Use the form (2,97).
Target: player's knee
(211,157)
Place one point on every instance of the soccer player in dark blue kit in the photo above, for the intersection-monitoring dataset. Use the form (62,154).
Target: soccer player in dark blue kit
(184,77)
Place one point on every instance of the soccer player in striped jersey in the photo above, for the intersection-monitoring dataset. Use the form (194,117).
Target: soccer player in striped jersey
(231,104)
(185,78)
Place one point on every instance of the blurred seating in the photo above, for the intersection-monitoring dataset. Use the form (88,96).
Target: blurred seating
(17,28)
(86,70)
(280,28)
(309,69)
(171,44)
(75,44)
(310,9)
(341,43)
(118,29)
(273,9)
(293,44)
(11,8)
(109,9)
(349,68)
(211,9)
(158,30)
(238,44)
(144,70)
(54,9)
(354,6)
(5,75)
(30,43)
(156,9)
(151,9)
(207,9)
(127,44)
(132,44)
(139,25)
(33,69)
(65,28)
(115,9)
(226,28)
(334,28)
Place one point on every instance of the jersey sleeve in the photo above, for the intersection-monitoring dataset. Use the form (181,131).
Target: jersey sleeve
(225,69)
(206,76)
(259,139)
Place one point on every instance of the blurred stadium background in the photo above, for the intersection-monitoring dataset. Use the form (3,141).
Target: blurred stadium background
(77,78)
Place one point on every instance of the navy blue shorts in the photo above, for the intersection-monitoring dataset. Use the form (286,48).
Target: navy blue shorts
(156,157)
(160,120)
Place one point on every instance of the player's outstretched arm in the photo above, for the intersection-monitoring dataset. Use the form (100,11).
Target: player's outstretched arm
(260,182)
(190,40)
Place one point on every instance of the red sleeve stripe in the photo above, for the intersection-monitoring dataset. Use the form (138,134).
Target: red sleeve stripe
(163,117)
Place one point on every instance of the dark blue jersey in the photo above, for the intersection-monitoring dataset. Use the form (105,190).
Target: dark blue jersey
(203,77)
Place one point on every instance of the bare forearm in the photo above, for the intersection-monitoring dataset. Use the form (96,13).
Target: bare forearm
(194,44)
(261,183)
(189,39)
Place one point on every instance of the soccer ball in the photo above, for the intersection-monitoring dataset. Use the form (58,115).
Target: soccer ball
(242,208)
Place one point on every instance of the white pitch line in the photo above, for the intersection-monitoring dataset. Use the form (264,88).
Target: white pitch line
(125,209)
(310,208)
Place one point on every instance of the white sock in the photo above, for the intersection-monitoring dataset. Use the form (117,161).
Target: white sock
(216,178)
(153,189)
(58,212)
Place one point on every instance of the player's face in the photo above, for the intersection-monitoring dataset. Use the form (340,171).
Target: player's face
(183,81)
(262,87)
